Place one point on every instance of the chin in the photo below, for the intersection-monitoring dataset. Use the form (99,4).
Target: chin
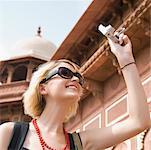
(72,96)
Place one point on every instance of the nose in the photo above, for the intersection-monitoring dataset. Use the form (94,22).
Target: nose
(74,78)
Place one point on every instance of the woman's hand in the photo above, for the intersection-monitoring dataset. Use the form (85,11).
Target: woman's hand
(122,50)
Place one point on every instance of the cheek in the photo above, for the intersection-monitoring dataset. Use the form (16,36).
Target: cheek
(56,88)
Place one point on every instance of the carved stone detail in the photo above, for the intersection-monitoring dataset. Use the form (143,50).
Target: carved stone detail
(29,71)
(145,24)
(144,6)
(94,87)
(10,73)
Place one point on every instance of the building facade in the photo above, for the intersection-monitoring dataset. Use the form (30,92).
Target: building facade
(104,101)
(16,72)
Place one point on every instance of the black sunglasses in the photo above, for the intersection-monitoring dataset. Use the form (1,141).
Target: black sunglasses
(64,73)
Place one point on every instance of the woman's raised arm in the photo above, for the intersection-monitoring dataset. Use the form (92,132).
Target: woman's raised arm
(139,118)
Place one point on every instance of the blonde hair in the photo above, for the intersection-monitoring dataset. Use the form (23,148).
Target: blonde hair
(33,101)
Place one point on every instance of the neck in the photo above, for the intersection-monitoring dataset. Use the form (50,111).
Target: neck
(52,118)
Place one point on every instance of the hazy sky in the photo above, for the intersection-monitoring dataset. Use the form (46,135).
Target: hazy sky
(20,20)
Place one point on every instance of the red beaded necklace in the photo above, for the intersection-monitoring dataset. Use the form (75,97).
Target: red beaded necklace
(43,143)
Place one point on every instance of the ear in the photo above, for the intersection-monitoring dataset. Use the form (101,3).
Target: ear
(42,89)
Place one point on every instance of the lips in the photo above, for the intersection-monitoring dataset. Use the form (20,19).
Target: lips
(72,86)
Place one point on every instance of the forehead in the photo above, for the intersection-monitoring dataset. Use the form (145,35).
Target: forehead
(67,65)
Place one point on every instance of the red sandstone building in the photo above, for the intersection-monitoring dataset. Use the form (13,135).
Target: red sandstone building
(104,101)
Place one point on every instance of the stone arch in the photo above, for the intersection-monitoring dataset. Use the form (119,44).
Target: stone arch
(4,76)
(20,73)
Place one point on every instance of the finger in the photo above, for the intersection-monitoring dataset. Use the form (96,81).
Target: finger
(119,31)
(121,39)
(126,39)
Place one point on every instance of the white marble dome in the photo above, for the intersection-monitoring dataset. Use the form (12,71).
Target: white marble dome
(35,47)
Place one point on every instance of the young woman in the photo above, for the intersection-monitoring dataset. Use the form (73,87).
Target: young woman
(52,98)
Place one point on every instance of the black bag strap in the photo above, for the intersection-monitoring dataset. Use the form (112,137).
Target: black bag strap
(72,146)
(18,135)
(20,131)
(77,141)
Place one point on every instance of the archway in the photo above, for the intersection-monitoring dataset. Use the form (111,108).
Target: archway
(19,73)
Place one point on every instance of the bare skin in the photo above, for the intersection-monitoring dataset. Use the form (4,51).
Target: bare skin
(51,120)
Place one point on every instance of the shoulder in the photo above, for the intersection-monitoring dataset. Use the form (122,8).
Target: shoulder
(5,133)
(6,127)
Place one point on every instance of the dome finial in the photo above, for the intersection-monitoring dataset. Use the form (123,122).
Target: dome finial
(39,31)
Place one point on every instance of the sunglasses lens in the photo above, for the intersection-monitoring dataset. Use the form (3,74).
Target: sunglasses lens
(68,74)
(65,73)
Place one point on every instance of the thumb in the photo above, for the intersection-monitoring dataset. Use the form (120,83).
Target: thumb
(126,40)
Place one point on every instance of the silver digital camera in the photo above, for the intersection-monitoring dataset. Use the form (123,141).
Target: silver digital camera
(109,31)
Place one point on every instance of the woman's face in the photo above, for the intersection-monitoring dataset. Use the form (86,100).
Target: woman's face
(61,89)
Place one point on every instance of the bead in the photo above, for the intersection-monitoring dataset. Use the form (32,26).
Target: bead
(43,143)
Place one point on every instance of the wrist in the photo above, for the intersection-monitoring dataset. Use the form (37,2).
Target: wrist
(128,64)
(124,62)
